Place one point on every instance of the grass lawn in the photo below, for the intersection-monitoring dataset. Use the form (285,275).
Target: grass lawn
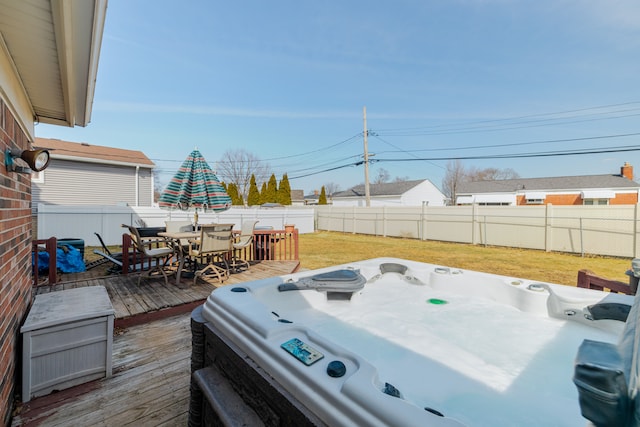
(323,249)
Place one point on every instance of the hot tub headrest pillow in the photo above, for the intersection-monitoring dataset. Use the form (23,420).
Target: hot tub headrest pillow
(347,281)
(602,388)
(607,376)
(629,348)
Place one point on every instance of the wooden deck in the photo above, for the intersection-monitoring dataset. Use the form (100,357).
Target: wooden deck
(153,299)
(149,385)
(151,354)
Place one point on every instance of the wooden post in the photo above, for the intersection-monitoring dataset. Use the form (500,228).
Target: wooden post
(52,248)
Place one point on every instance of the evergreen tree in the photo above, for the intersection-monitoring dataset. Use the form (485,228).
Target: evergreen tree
(322,200)
(236,198)
(271,195)
(263,193)
(253,198)
(284,191)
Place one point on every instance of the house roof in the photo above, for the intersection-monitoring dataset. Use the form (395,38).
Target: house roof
(54,47)
(297,194)
(92,153)
(553,183)
(386,189)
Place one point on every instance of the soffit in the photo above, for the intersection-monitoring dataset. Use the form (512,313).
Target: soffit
(54,46)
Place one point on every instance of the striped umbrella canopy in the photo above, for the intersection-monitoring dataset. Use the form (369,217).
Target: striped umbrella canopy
(195,186)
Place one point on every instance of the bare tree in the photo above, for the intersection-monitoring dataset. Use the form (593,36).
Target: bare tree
(401,179)
(490,174)
(382,176)
(237,166)
(331,188)
(453,176)
(158,185)
(456,174)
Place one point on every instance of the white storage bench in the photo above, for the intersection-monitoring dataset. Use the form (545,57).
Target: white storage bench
(67,340)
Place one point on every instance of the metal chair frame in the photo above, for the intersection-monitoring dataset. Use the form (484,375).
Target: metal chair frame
(161,253)
(215,243)
(243,241)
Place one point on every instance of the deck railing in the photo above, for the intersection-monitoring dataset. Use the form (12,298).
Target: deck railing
(50,246)
(587,279)
(272,245)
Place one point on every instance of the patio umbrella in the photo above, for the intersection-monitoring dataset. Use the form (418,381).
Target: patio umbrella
(195,186)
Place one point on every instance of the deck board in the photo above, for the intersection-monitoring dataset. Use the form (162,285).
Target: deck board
(130,300)
(151,361)
(149,385)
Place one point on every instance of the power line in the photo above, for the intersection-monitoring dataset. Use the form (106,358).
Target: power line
(524,155)
(329,147)
(486,157)
(515,144)
(479,129)
(329,170)
(464,125)
(401,150)
(318,150)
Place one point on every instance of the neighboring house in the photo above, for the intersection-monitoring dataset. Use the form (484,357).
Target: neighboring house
(401,193)
(564,190)
(49,52)
(297,197)
(312,199)
(85,174)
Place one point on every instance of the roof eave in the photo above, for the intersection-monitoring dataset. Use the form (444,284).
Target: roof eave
(100,161)
(78,42)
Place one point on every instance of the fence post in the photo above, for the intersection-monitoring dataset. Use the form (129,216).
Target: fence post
(384,221)
(474,214)
(422,224)
(484,223)
(636,211)
(548,230)
(353,228)
(581,240)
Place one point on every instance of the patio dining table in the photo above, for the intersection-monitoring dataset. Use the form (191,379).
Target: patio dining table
(175,237)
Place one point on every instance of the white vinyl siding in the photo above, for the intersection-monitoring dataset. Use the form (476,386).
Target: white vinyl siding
(78,183)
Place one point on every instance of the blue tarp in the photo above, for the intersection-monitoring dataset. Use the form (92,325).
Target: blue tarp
(68,260)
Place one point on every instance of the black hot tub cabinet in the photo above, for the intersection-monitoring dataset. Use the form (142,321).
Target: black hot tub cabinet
(228,388)
(389,342)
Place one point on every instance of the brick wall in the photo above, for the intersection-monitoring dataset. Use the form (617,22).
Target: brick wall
(624,199)
(15,260)
(576,199)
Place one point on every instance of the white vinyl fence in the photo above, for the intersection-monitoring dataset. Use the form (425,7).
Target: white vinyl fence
(81,222)
(599,230)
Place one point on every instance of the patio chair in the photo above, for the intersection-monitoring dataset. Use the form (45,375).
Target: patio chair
(215,243)
(244,241)
(107,256)
(180,227)
(160,255)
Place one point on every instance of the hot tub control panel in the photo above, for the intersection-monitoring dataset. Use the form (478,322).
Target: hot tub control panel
(302,351)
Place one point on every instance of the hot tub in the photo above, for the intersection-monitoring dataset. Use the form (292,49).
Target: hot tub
(399,343)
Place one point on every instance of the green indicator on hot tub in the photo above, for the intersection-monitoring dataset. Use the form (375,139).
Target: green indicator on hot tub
(437,301)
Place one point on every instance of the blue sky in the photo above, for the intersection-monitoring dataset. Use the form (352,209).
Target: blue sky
(287,81)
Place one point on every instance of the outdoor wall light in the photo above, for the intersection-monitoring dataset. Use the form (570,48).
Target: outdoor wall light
(37,160)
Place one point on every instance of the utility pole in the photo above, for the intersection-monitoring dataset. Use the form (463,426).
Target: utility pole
(367,194)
